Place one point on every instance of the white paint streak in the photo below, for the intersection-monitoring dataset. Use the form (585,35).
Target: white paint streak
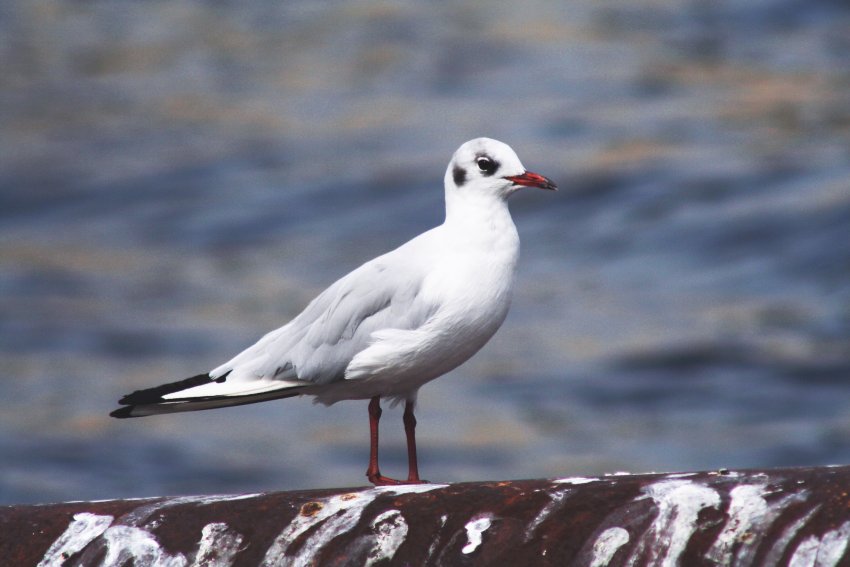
(436,542)
(679,504)
(218,545)
(125,544)
(747,510)
(575,480)
(408,488)
(779,545)
(390,530)
(336,515)
(144,516)
(82,530)
(556,499)
(750,515)
(824,552)
(805,554)
(110,500)
(833,545)
(607,544)
(474,529)
(211,499)
(731,474)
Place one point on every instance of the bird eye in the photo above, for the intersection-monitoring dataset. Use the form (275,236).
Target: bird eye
(486,165)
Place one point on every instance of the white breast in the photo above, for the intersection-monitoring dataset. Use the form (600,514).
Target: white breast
(469,283)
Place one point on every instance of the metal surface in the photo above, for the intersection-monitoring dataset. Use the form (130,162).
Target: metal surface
(775,517)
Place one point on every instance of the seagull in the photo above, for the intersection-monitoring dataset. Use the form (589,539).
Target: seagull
(393,324)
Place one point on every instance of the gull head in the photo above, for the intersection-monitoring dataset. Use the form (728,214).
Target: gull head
(487,167)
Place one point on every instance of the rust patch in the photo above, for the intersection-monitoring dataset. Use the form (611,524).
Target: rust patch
(349,496)
(311,508)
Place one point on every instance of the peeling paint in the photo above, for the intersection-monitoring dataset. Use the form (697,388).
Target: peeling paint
(474,529)
(125,543)
(218,545)
(826,551)
(390,530)
(679,504)
(607,544)
(81,531)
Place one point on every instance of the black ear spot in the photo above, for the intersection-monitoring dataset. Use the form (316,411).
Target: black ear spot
(459,175)
(487,165)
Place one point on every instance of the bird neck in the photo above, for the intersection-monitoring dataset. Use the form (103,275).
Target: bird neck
(479,217)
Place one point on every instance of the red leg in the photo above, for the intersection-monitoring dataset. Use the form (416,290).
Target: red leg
(373,473)
(410,431)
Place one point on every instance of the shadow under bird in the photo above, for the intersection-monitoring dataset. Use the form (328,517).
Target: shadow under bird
(391,325)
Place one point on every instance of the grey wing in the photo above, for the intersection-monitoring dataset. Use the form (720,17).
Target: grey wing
(317,346)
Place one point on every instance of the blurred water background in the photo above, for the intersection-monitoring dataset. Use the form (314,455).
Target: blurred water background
(178,178)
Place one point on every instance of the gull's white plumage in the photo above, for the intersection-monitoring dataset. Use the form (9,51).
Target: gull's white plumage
(397,321)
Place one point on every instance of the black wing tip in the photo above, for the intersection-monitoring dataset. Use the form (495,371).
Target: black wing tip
(121,413)
(141,397)
(197,404)
(154,395)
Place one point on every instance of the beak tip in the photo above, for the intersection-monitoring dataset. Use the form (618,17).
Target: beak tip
(530,179)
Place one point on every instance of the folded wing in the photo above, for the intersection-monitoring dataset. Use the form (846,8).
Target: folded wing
(313,349)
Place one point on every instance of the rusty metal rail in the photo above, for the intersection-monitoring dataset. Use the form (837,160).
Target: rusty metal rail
(775,517)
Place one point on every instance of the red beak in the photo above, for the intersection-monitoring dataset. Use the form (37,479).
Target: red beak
(530,179)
